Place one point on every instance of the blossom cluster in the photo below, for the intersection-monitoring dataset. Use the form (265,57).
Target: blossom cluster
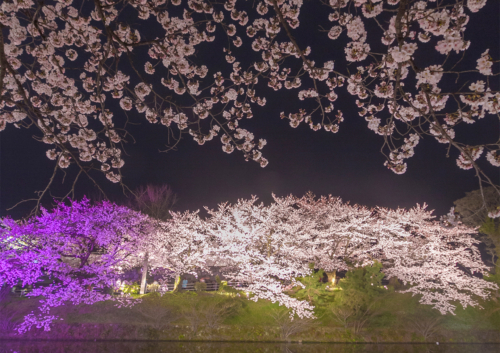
(45,46)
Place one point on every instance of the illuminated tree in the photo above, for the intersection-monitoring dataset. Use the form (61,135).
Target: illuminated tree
(156,202)
(179,245)
(259,245)
(65,65)
(342,234)
(442,264)
(80,247)
(269,246)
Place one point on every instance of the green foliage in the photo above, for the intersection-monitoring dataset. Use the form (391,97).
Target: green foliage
(288,326)
(254,314)
(153,287)
(493,277)
(207,312)
(361,293)
(216,309)
(200,286)
(176,283)
(395,284)
(155,312)
(490,227)
(224,288)
(362,285)
(471,207)
(315,290)
(237,318)
(133,288)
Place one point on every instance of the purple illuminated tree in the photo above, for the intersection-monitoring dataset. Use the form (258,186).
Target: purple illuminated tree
(82,247)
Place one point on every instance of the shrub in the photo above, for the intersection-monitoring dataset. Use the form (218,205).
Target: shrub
(360,293)
(290,326)
(133,288)
(200,286)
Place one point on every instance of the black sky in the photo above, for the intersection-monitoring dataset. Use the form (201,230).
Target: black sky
(347,164)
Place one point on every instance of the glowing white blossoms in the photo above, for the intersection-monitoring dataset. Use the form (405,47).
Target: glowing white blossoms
(484,63)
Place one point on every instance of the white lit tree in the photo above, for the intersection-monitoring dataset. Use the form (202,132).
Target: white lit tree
(254,244)
(441,263)
(179,245)
(342,234)
(268,245)
(156,202)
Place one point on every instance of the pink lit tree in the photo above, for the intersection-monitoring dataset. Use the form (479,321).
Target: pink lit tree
(81,247)
(270,245)
(341,233)
(64,65)
(442,264)
(179,245)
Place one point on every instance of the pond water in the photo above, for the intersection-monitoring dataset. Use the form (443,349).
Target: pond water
(11,346)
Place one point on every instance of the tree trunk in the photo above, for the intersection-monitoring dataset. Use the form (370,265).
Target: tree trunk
(332,277)
(177,282)
(144,274)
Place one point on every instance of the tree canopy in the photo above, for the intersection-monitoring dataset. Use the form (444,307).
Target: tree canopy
(266,247)
(81,72)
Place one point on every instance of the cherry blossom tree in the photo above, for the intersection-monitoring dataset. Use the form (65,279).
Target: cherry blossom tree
(179,245)
(82,247)
(66,66)
(269,245)
(258,245)
(342,233)
(442,264)
(79,246)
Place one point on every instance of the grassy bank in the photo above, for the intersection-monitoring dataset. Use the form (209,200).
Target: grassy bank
(230,316)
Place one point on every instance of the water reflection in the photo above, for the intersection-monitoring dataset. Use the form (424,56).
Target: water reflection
(226,347)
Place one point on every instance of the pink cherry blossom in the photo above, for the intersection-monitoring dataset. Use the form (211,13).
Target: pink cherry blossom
(64,69)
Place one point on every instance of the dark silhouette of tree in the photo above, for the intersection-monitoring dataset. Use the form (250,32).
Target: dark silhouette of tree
(474,207)
(156,201)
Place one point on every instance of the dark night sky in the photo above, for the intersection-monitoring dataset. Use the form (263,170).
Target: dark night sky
(347,164)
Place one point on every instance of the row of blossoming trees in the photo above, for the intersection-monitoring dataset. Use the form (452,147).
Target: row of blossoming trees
(84,246)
